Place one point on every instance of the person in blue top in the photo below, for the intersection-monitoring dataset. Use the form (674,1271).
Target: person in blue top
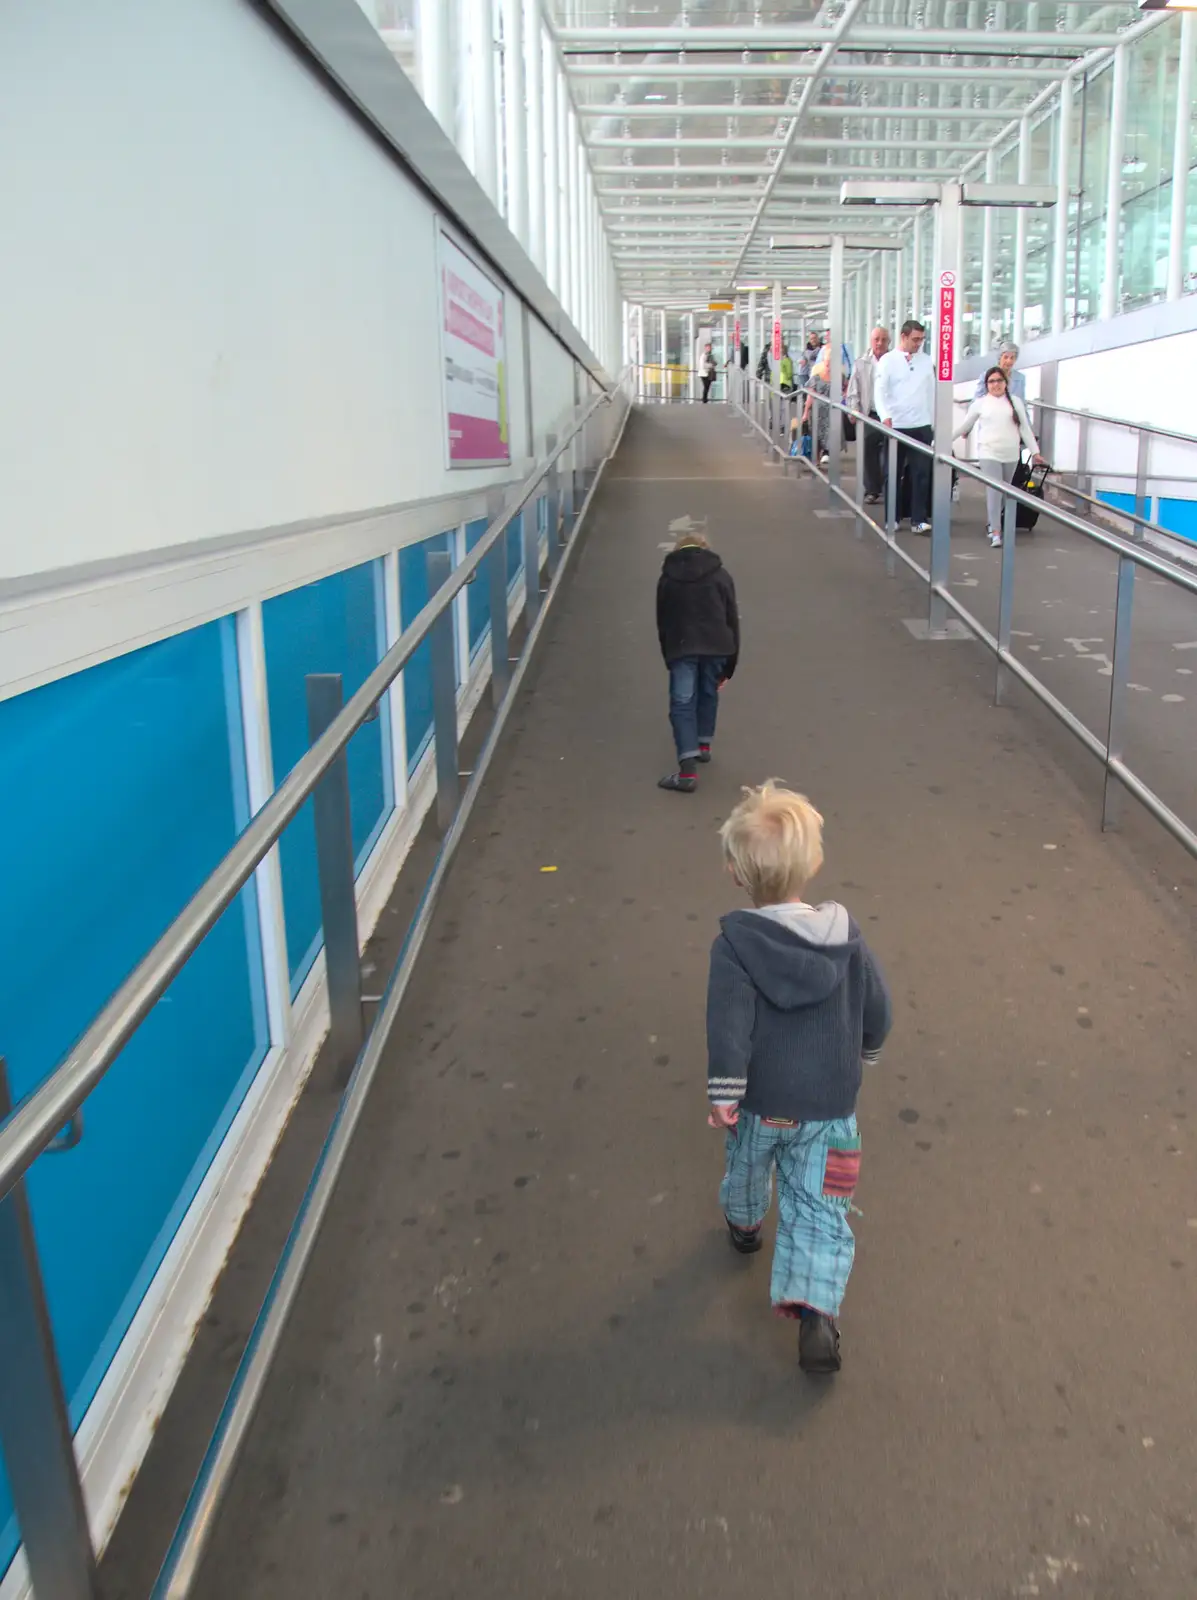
(1016,383)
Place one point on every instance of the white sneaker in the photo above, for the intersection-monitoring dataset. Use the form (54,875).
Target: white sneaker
(920,527)
(995,541)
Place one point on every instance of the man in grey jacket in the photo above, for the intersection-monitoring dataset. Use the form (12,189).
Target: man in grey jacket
(862,394)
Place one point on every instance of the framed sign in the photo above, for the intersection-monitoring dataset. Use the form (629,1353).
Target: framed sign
(473,360)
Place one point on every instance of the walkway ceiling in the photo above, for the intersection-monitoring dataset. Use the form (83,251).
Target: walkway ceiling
(712,125)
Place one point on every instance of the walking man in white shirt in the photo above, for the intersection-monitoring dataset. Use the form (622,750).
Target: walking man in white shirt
(862,397)
(905,399)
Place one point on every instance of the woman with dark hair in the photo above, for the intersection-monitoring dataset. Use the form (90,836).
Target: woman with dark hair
(1003,430)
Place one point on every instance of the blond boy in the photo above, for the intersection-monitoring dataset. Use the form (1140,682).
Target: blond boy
(795,1002)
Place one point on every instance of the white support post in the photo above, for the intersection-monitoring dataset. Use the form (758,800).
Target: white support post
(886,318)
(1020,234)
(664,352)
(564,241)
(259,766)
(1110,297)
(1064,205)
(534,96)
(573,159)
(916,269)
(753,355)
(899,288)
(872,299)
(515,120)
(835,324)
(988,224)
(552,173)
(434,44)
(1181,156)
(480,108)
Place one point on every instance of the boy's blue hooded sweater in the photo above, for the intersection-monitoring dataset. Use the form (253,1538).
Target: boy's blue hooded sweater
(795,1000)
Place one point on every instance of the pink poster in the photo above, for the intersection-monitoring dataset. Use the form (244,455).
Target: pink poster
(473,361)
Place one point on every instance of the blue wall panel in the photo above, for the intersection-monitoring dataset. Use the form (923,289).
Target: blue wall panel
(478,592)
(120,790)
(1178,516)
(515,548)
(414,595)
(335,625)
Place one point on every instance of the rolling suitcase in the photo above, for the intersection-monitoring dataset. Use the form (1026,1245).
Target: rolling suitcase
(1031,480)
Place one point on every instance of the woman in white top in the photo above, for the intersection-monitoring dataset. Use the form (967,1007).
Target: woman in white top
(1003,428)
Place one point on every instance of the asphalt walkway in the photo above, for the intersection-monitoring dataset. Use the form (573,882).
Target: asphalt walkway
(526,1363)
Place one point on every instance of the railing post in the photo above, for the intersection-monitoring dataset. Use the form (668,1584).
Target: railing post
(552,503)
(1111,805)
(941,544)
(35,1429)
(891,507)
(1141,506)
(1083,481)
(496,566)
(444,687)
(862,439)
(1006,597)
(334,862)
(530,532)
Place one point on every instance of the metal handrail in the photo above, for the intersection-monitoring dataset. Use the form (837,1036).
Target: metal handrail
(1130,554)
(1116,422)
(1111,541)
(39,1118)
(55,1522)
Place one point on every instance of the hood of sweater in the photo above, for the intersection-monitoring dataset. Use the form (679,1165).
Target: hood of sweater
(796,955)
(690,564)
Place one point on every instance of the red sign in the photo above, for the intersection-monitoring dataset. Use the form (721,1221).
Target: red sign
(947,328)
(737,337)
(777,338)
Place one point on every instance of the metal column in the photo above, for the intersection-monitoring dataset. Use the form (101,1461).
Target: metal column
(946,274)
(1113,253)
(691,360)
(335,868)
(664,351)
(1063,205)
(835,319)
(1181,158)
(444,692)
(35,1430)
(752,333)
(1119,678)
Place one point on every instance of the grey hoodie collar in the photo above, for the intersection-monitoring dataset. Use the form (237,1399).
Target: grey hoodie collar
(826,924)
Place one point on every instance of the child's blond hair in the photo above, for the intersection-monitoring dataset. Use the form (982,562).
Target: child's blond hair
(773,842)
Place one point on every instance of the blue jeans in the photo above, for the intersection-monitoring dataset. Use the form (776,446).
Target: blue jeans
(694,702)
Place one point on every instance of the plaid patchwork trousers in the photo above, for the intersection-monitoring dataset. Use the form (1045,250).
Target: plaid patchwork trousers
(817,1165)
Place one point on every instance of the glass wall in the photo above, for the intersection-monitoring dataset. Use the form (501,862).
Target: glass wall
(1144,162)
(491,74)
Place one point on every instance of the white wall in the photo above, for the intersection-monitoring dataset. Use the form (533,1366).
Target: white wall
(219,291)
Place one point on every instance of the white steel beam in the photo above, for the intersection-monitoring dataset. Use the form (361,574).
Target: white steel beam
(804,36)
(901,71)
(615,109)
(752,142)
